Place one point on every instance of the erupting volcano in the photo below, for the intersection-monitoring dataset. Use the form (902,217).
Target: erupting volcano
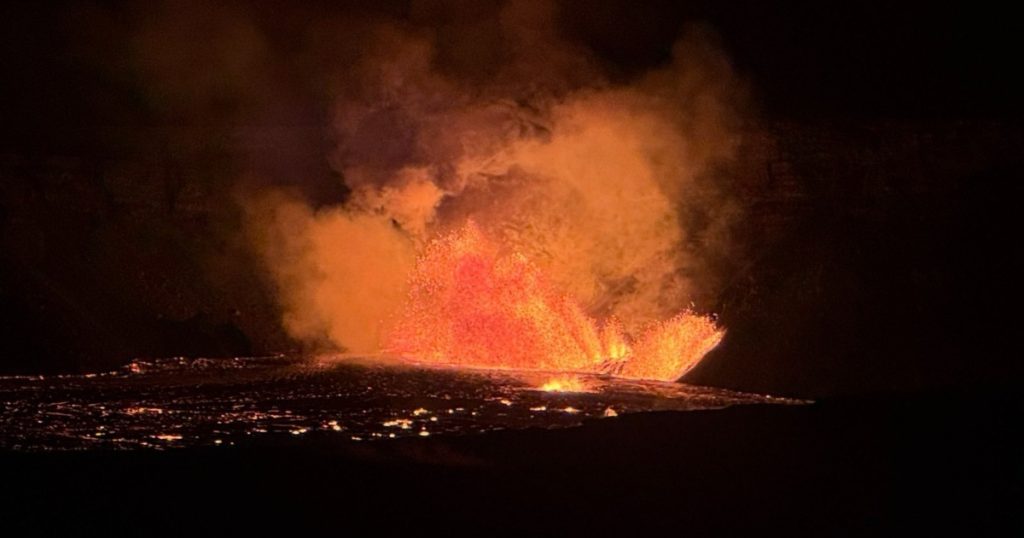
(541,215)
(469,304)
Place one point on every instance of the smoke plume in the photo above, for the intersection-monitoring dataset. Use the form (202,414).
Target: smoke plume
(519,131)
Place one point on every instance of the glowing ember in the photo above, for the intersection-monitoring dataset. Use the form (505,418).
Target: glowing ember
(471,304)
(402,423)
(143,410)
(564,384)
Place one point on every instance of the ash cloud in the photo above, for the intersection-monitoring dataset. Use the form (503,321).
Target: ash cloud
(448,111)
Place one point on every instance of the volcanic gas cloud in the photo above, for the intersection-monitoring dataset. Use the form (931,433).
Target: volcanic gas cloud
(524,212)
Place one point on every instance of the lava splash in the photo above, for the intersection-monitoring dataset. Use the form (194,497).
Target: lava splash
(470,304)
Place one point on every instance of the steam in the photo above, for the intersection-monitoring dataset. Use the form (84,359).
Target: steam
(340,272)
(589,179)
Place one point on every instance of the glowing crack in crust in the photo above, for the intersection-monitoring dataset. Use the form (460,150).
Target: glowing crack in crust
(472,305)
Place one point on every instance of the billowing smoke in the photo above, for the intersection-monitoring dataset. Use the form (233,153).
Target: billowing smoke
(587,177)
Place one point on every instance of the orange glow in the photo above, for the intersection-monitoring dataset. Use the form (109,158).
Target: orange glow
(597,207)
(471,304)
(564,384)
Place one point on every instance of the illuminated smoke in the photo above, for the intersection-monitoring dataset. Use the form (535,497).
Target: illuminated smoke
(573,186)
(340,272)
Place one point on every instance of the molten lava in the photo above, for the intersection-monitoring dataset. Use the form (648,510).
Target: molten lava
(564,384)
(472,305)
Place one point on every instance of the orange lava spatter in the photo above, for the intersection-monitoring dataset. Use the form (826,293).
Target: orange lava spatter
(470,305)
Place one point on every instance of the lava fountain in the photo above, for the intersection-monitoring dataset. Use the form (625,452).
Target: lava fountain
(540,216)
(472,305)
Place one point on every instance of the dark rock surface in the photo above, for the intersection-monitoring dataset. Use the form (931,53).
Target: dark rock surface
(925,465)
(877,256)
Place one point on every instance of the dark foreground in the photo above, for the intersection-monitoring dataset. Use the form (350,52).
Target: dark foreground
(938,463)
